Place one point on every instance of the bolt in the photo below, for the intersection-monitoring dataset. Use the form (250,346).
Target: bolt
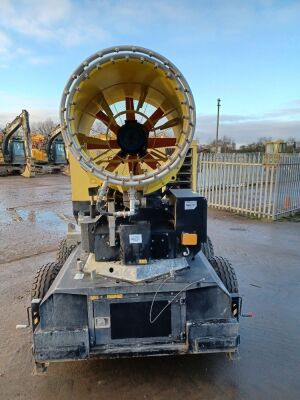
(79,265)
(93,274)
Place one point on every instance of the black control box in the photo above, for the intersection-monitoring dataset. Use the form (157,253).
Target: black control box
(189,212)
(135,242)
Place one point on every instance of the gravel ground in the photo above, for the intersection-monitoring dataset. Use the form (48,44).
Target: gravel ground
(33,218)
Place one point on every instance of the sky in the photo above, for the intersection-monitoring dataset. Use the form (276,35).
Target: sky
(247,53)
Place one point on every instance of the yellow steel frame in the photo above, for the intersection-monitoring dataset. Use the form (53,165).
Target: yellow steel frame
(82,180)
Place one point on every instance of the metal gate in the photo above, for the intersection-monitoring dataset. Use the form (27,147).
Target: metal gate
(262,185)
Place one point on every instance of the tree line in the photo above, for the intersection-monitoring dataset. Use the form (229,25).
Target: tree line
(227,144)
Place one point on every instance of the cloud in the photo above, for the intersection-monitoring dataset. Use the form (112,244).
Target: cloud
(248,131)
(39,108)
(61,24)
(5,42)
(35,115)
(65,23)
(289,113)
(33,18)
(61,21)
(5,47)
(9,53)
(75,22)
(37,60)
(240,128)
(278,124)
(69,23)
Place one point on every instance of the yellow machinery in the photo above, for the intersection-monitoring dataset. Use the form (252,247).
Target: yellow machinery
(139,277)
(49,152)
(38,152)
(15,150)
(136,92)
(273,151)
(275,147)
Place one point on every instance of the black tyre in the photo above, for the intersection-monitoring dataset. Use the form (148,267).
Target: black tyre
(43,279)
(63,252)
(226,273)
(208,248)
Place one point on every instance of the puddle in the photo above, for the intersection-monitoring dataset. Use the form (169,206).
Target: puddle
(38,216)
(4,217)
(19,215)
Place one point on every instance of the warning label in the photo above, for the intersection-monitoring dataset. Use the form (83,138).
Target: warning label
(190,204)
(135,238)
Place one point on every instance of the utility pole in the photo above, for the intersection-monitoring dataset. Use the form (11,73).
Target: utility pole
(217,133)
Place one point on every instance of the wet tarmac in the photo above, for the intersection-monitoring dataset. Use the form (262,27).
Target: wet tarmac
(33,214)
(33,218)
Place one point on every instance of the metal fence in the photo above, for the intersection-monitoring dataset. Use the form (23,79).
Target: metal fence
(262,185)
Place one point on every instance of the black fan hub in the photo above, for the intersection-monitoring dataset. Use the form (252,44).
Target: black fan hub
(132,138)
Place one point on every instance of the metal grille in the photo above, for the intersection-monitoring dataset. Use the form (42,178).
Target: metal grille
(132,320)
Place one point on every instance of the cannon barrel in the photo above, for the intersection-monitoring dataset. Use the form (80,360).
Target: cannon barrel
(147,114)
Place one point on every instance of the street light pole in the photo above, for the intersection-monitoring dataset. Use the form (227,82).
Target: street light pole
(217,133)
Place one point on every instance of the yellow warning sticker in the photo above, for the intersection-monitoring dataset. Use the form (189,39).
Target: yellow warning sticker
(115,296)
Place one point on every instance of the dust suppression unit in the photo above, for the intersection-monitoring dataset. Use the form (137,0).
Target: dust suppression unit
(139,278)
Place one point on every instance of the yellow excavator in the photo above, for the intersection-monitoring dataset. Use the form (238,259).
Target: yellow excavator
(138,276)
(49,152)
(15,147)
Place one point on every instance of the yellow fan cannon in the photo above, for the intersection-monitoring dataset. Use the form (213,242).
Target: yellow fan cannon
(147,113)
(140,277)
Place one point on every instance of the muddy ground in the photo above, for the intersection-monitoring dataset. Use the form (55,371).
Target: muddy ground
(33,218)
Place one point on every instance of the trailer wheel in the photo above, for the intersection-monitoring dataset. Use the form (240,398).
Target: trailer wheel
(225,272)
(208,248)
(43,279)
(64,251)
